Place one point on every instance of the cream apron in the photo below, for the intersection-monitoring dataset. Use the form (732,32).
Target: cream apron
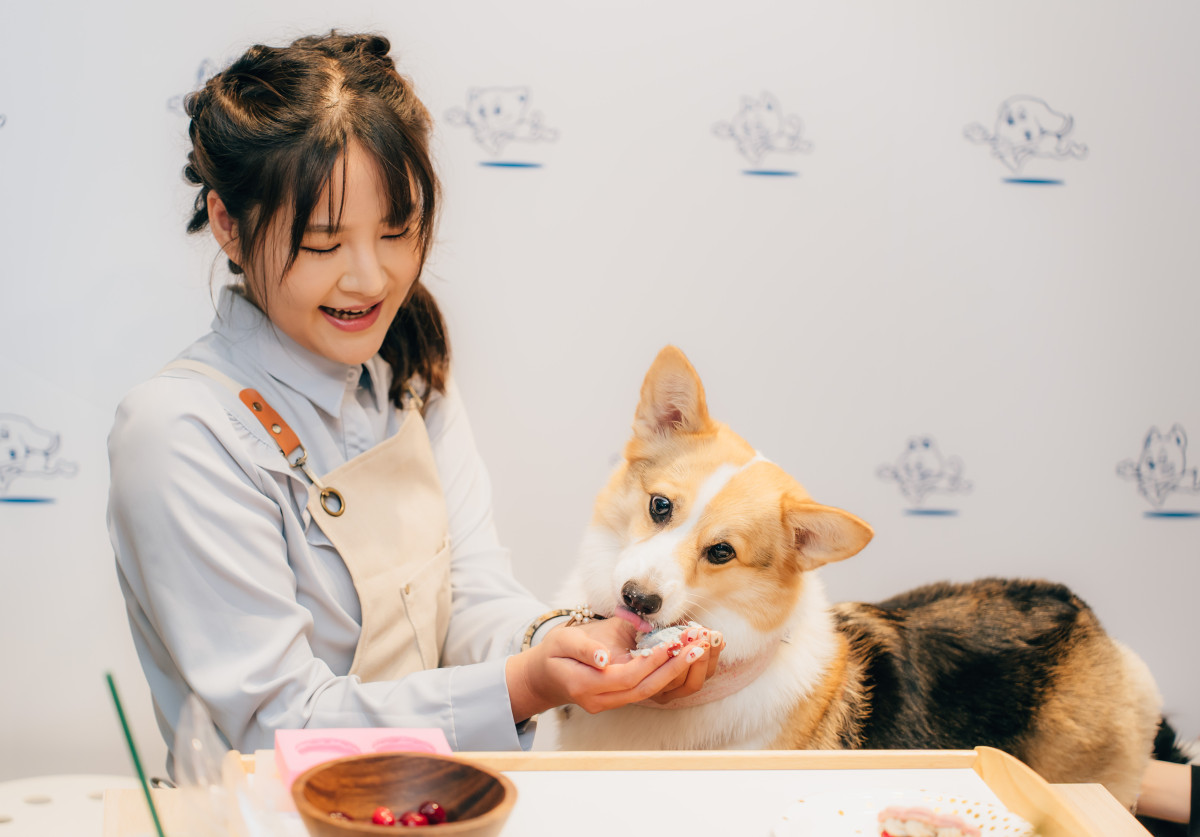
(385,514)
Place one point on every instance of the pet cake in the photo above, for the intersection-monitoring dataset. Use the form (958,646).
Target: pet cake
(672,636)
(897,821)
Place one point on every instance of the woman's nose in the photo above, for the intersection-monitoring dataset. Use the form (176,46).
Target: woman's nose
(365,274)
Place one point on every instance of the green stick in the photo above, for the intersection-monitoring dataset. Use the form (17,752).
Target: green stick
(137,762)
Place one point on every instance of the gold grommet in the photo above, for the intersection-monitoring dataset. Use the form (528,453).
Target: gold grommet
(275,428)
(338,504)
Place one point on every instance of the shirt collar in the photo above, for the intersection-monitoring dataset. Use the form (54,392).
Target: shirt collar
(322,381)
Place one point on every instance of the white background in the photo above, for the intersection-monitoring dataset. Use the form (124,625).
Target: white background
(896,286)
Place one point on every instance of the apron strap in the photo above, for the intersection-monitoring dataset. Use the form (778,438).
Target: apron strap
(285,438)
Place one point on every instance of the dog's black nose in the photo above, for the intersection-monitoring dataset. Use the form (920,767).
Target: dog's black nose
(638,601)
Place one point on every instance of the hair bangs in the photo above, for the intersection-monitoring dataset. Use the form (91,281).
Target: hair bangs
(316,160)
(406,172)
(404,166)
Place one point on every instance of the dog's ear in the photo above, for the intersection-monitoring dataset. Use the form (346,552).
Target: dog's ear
(672,398)
(823,534)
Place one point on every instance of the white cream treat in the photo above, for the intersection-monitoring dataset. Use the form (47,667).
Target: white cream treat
(671,636)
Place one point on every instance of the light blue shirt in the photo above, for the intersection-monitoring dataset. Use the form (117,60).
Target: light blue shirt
(232,590)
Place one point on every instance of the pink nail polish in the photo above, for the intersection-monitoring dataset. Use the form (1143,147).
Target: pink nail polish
(694,653)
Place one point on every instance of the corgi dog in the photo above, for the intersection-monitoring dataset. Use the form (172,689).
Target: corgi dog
(696,525)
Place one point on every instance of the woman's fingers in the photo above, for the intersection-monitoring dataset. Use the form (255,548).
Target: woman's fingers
(693,679)
(610,677)
(671,670)
(716,643)
(657,680)
(677,682)
(691,682)
(580,646)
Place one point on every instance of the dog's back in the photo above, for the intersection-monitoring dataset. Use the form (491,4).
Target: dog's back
(1023,666)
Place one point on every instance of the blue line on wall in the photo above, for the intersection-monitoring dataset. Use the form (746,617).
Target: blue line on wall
(770,173)
(26,499)
(932,512)
(1034,181)
(1172,514)
(503,165)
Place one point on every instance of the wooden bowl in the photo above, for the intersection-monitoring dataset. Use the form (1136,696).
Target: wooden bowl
(477,800)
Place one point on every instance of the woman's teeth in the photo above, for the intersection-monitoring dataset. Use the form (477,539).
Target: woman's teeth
(349,313)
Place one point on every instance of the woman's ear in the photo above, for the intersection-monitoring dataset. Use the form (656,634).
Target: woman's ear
(224,228)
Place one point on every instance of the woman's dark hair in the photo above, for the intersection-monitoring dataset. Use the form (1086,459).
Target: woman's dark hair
(266,134)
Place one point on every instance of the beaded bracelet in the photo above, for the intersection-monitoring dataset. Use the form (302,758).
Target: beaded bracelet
(579,616)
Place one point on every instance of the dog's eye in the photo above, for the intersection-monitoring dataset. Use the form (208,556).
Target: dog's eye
(720,553)
(660,508)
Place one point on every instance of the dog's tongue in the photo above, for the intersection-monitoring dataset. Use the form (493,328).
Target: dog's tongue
(633,619)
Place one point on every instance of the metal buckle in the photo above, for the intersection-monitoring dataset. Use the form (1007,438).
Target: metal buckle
(332,500)
(339,505)
(414,400)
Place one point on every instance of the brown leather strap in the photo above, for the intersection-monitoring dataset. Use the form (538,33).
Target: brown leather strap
(283,435)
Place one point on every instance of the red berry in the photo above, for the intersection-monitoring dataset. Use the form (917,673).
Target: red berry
(383,816)
(413,818)
(435,813)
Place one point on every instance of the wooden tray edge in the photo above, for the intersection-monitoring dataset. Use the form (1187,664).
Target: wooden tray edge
(724,759)
(1024,792)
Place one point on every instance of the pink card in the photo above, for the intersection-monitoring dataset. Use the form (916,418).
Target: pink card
(296,750)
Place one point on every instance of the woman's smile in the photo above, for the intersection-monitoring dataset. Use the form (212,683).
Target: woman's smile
(352,319)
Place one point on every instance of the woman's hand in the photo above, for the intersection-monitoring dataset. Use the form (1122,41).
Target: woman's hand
(591,666)
(694,678)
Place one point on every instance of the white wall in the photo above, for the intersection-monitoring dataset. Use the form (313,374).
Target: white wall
(896,285)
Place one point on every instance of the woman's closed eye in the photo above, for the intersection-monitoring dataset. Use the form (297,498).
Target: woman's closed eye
(324,251)
(320,251)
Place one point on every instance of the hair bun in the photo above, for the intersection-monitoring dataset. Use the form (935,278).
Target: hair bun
(190,173)
(255,55)
(337,45)
(377,45)
(195,102)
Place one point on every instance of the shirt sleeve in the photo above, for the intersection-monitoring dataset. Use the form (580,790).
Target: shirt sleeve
(491,610)
(201,550)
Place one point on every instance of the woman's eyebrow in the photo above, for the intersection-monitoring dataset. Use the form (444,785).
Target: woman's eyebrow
(327,229)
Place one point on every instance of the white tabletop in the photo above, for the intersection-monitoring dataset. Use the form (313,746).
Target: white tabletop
(50,806)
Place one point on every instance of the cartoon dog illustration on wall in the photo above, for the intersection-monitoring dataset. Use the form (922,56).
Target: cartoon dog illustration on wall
(922,469)
(500,115)
(207,69)
(760,127)
(1027,127)
(28,451)
(1162,469)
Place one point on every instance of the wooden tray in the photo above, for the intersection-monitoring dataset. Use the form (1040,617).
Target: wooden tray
(1055,810)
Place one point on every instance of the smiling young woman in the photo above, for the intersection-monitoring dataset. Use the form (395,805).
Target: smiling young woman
(356,580)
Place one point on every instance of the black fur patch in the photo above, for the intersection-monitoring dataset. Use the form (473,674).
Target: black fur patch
(955,666)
